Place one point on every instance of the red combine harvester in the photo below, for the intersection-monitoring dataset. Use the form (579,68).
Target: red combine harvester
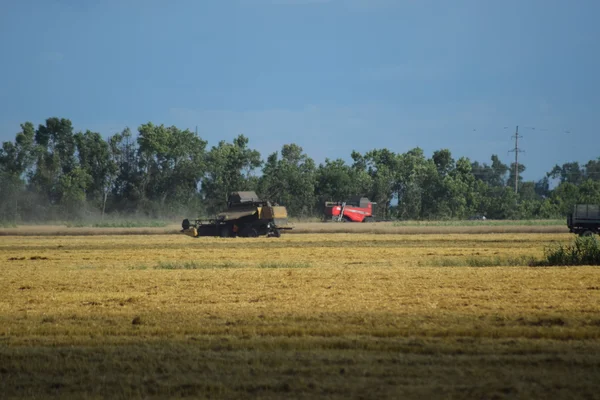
(358,209)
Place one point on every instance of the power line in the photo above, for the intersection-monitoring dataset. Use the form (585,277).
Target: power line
(516,150)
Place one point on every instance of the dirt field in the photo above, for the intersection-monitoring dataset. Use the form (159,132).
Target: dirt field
(302,316)
(309,227)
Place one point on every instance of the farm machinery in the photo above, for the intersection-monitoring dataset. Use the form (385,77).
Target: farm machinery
(584,220)
(357,209)
(246,216)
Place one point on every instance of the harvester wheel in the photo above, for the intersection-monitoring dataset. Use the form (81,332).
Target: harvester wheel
(587,233)
(252,233)
(224,232)
(275,233)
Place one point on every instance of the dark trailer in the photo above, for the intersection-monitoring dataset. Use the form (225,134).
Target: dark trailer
(584,220)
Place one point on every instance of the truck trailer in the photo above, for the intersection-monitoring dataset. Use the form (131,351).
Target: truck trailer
(584,220)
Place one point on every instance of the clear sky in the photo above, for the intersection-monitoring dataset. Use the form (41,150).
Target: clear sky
(329,75)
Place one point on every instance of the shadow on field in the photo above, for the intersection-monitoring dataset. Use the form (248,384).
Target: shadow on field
(334,368)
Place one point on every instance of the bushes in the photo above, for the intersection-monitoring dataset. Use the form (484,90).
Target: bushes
(584,251)
(483,261)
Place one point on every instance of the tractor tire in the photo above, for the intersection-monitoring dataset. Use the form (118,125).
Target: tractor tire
(185,224)
(587,233)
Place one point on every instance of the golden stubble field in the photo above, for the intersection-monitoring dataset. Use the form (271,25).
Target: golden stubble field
(302,316)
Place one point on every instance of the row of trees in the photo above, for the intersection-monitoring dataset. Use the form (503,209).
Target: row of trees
(52,172)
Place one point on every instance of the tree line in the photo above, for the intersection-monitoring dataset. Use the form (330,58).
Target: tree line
(52,173)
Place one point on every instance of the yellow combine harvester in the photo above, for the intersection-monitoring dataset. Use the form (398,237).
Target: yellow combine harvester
(246,216)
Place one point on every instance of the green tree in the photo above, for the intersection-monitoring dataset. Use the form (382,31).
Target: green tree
(548,209)
(589,192)
(542,187)
(55,158)
(73,186)
(564,197)
(511,181)
(382,166)
(334,181)
(173,162)
(502,203)
(51,172)
(463,200)
(494,174)
(414,174)
(569,172)
(443,161)
(290,180)
(592,170)
(16,160)
(450,194)
(230,167)
(96,160)
(127,194)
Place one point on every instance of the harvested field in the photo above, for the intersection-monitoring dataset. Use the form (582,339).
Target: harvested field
(399,229)
(61,230)
(311,227)
(302,316)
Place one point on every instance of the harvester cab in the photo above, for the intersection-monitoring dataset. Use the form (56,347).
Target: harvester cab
(246,216)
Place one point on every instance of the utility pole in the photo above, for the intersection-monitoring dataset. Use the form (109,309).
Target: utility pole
(516,150)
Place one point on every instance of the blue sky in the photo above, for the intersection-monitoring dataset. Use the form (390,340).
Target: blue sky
(330,75)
